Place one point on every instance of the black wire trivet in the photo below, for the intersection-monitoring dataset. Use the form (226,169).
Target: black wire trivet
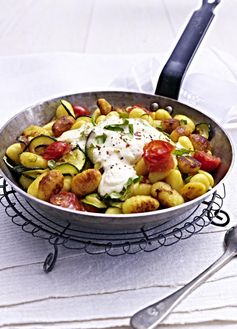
(147,238)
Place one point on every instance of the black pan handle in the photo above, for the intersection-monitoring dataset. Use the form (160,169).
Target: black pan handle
(174,70)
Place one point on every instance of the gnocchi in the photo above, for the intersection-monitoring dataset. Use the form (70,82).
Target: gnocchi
(119,160)
(140,203)
(86,182)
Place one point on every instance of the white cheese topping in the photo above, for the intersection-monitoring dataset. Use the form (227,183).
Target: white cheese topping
(117,146)
(77,136)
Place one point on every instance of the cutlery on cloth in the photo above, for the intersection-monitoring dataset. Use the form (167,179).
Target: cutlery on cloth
(151,316)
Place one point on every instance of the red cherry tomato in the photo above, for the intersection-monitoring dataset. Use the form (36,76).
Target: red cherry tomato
(66,200)
(158,155)
(80,110)
(56,150)
(208,162)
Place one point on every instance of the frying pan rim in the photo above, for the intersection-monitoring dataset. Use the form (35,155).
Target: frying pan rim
(119,216)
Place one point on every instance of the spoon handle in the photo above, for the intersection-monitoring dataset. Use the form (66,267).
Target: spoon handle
(151,316)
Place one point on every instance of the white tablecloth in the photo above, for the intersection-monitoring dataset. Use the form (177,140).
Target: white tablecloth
(100,291)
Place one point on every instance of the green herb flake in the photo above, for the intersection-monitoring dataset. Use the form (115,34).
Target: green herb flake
(118,126)
(159,127)
(123,115)
(130,128)
(93,120)
(114,127)
(183,121)
(125,122)
(101,139)
(124,194)
(180,152)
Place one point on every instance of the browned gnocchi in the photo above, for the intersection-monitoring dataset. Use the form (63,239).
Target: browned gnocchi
(116,160)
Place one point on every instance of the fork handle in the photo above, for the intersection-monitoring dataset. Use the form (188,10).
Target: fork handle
(151,316)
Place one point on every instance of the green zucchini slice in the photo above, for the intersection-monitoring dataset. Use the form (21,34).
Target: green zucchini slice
(20,169)
(90,146)
(33,173)
(89,152)
(39,142)
(67,169)
(23,141)
(25,182)
(76,157)
(9,163)
(68,108)
(115,204)
(94,200)
(203,129)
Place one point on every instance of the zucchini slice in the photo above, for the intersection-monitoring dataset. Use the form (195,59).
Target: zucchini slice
(89,152)
(76,157)
(39,142)
(90,146)
(65,109)
(23,140)
(115,204)
(9,163)
(94,200)
(203,129)
(25,182)
(20,169)
(95,116)
(67,169)
(33,173)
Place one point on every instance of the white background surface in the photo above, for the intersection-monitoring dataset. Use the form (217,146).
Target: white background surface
(107,27)
(110,39)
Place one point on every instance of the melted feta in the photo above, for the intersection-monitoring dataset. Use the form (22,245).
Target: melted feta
(77,137)
(117,145)
(117,150)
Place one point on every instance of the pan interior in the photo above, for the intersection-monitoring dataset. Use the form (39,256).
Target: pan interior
(42,113)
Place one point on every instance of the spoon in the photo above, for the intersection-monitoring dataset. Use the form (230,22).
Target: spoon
(151,316)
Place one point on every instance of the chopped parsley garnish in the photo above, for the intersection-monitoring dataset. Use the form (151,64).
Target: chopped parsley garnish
(183,121)
(117,126)
(130,128)
(180,152)
(123,115)
(101,139)
(124,194)
(114,127)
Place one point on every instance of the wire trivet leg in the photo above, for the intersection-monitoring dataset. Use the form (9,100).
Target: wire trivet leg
(51,259)
(222,219)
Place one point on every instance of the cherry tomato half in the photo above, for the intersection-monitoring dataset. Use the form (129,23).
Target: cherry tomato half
(66,200)
(208,161)
(158,155)
(56,150)
(80,110)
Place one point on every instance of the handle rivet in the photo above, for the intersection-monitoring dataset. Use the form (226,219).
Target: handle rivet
(154,107)
(169,109)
